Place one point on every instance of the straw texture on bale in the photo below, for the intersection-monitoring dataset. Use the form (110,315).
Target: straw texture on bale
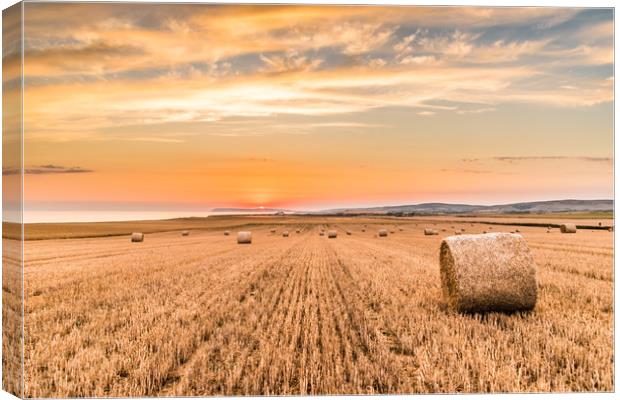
(185,233)
(490,272)
(568,228)
(244,237)
(429,232)
(285,234)
(137,237)
(332,234)
(383,233)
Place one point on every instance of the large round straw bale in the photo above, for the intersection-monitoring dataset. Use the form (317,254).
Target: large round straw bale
(429,232)
(491,272)
(383,232)
(244,237)
(226,233)
(285,234)
(137,237)
(332,234)
(185,233)
(568,228)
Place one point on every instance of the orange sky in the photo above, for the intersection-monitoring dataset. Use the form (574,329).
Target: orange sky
(195,106)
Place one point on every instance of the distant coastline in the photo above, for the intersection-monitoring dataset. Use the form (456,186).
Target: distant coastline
(423,209)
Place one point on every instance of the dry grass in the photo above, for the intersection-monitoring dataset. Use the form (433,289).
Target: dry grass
(11,317)
(200,315)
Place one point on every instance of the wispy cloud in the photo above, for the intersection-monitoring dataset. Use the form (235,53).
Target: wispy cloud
(516,159)
(45,169)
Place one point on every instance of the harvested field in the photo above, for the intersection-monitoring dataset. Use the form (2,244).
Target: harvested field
(201,315)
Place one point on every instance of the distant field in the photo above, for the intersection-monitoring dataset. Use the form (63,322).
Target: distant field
(38,231)
(201,315)
(589,215)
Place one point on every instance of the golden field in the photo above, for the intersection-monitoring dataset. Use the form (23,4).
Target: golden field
(202,315)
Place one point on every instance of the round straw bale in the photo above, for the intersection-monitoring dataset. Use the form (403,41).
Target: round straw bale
(610,229)
(400,229)
(429,232)
(226,233)
(297,230)
(458,232)
(273,231)
(568,228)
(392,232)
(244,237)
(491,272)
(285,234)
(348,232)
(363,230)
(383,232)
(322,233)
(185,233)
(332,234)
(462,229)
(137,237)
(443,230)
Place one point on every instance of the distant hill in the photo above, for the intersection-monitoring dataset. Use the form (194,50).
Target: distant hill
(552,206)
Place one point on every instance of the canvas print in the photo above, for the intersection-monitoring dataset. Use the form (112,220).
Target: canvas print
(220,199)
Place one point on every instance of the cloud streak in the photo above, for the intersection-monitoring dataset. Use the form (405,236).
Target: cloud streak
(45,170)
(516,159)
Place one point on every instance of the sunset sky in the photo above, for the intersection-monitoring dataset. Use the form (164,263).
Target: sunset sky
(134,107)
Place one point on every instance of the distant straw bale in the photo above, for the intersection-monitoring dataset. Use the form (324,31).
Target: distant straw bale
(285,234)
(137,237)
(244,237)
(226,233)
(429,232)
(568,228)
(491,272)
(273,231)
(383,232)
(332,234)
(297,230)
(185,233)
(348,232)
